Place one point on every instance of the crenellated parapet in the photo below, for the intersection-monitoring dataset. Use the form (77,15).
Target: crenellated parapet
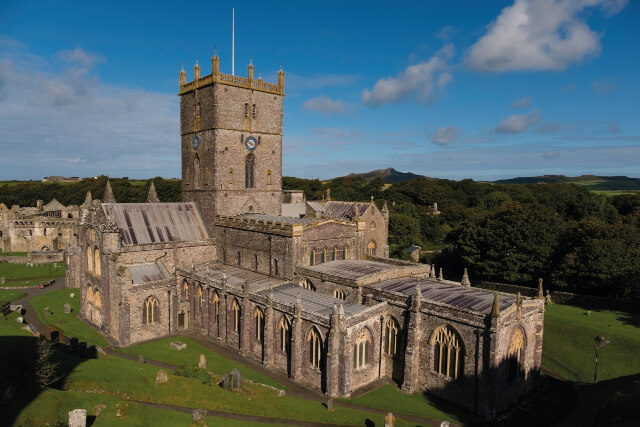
(227,79)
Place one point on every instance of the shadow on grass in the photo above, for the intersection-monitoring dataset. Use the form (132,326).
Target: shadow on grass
(632,319)
(18,384)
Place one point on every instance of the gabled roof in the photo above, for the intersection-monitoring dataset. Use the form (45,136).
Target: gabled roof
(344,210)
(144,223)
(148,272)
(53,205)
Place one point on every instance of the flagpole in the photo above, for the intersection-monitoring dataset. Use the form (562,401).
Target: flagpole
(233,41)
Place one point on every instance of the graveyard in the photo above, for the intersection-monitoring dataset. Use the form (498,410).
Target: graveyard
(166,380)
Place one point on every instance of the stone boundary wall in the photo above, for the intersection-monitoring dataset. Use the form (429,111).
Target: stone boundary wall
(588,301)
(37,258)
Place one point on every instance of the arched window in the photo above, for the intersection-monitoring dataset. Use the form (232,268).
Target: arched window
(312,258)
(249,166)
(391,337)
(448,354)
(362,349)
(284,332)
(339,253)
(315,347)
(275,267)
(339,293)
(90,295)
(199,296)
(371,248)
(196,171)
(319,256)
(185,290)
(255,262)
(258,315)
(96,263)
(306,283)
(215,302)
(235,308)
(97,299)
(515,356)
(324,255)
(150,311)
(346,252)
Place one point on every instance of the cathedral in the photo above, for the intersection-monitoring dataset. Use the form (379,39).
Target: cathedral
(305,288)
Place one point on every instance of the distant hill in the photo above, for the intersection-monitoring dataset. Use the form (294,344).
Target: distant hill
(593,182)
(389,175)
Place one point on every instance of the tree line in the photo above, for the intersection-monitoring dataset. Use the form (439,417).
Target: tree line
(574,239)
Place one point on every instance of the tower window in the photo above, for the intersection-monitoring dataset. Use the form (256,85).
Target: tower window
(269,177)
(246,110)
(254,111)
(249,167)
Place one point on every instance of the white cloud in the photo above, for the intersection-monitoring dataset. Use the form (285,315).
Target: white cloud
(539,35)
(416,82)
(324,104)
(66,122)
(522,102)
(518,122)
(446,135)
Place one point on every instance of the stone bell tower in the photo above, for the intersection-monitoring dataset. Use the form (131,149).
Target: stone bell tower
(231,136)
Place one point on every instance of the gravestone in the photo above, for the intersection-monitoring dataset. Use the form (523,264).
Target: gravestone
(236,378)
(55,337)
(72,295)
(74,344)
(78,418)
(47,311)
(82,348)
(55,265)
(67,308)
(178,345)
(141,358)
(330,405)
(161,376)
(389,420)
(199,415)
(444,424)
(100,350)
(19,320)
(202,363)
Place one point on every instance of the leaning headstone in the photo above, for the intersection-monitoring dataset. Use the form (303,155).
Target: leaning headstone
(141,358)
(161,376)
(389,420)
(330,405)
(225,383)
(178,345)
(202,363)
(78,418)
(55,337)
(199,415)
(67,308)
(72,295)
(47,311)
(236,378)
(444,424)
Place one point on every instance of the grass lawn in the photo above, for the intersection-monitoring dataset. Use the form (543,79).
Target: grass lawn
(10,296)
(389,398)
(69,324)
(569,343)
(161,350)
(10,328)
(23,275)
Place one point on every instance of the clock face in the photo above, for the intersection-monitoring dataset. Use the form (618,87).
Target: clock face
(251,143)
(196,142)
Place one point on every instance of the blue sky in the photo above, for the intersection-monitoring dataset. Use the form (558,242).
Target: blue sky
(450,89)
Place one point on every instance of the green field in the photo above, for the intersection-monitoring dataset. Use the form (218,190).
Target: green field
(70,325)
(23,275)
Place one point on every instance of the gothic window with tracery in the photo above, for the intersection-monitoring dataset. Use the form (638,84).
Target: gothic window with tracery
(391,337)
(448,354)
(185,290)
(89,294)
(150,310)
(371,248)
(339,293)
(284,332)
(97,270)
(235,308)
(259,318)
(97,299)
(361,349)
(515,356)
(315,348)
(306,283)
(199,296)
